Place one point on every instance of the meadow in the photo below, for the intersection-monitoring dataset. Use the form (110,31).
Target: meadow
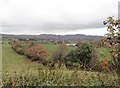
(18,70)
(12,61)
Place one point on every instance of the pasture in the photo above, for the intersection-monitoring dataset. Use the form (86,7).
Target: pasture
(16,65)
(12,61)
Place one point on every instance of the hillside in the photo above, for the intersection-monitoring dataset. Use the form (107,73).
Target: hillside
(53,37)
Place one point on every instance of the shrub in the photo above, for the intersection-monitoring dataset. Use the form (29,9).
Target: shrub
(20,50)
(15,44)
(85,53)
(37,53)
(31,44)
(60,54)
(82,55)
(71,59)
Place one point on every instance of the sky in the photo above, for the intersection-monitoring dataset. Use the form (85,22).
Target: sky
(56,16)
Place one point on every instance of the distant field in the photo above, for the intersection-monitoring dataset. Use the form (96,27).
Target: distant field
(52,47)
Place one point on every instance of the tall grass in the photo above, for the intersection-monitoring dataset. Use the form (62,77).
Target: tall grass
(48,77)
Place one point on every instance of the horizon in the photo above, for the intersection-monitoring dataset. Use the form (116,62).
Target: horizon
(70,33)
(48,34)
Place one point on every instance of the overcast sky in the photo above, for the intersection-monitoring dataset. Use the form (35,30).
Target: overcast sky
(56,16)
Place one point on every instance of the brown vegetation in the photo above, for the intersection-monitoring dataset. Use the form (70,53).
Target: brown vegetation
(37,53)
(113,41)
(60,54)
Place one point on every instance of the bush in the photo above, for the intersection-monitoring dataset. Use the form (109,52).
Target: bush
(14,44)
(60,54)
(31,50)
(37,53)
(82,55)
(20,50)
(85,52)
(17,46)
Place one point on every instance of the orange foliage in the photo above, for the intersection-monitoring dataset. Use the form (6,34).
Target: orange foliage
(105,64)
(37,52)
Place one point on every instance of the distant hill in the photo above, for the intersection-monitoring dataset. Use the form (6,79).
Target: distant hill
(53,37)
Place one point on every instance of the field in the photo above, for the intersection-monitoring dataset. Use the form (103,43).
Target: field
(12,61)
(52,47)
(15,64)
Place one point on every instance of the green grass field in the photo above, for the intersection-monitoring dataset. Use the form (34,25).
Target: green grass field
(51,47)
(13,62)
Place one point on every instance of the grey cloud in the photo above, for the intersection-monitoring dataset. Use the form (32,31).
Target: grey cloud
(48,27)
(34,19)
(72,26)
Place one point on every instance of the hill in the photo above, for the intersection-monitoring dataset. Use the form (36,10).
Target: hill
(53,37)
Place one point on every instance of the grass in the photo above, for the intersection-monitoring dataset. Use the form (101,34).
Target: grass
(13,61)
(59,78)
(19,70)
(51,47)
